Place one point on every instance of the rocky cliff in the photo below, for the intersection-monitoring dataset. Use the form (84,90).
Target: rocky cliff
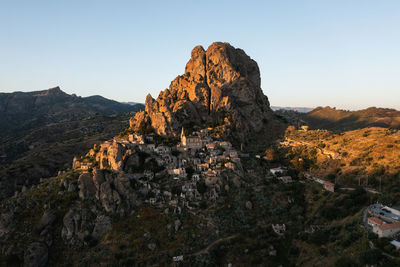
(221,85)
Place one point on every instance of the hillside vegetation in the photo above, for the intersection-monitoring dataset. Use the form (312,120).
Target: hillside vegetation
(365,154)
(42,131)
(344,120)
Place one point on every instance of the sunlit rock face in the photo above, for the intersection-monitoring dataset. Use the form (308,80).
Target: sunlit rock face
(221,84)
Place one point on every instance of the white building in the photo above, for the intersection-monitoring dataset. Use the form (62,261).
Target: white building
(277,171)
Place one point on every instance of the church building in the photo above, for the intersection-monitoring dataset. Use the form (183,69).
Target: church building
(190,141)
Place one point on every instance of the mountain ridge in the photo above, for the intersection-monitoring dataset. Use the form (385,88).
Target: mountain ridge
(344,120)
(43,130)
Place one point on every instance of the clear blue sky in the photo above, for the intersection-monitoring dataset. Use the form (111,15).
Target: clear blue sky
(311,53)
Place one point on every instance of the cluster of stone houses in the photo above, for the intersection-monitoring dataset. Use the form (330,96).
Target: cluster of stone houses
(196,158)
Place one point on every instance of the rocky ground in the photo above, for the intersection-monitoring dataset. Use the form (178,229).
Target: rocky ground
(106,217)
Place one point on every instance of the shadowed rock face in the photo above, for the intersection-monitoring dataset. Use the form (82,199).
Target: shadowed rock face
(220,84)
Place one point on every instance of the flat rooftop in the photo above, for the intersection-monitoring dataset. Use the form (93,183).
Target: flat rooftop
(378,209)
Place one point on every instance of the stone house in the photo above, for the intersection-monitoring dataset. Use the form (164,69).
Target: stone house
(329,186)
(210,147)
(217,159)
(167,195)
(160,161)
(195,161)
(235,160)
(277,171)
(153,201)
(202,167)
(387,229)
(374,221)
(148,174)
(279,229)
(195,177)
(151,147)
(163,149)
(285,179)
(178,171)
(211,194)
(225,145)
(230,165)
(168,158)
(183,162)
(86,166)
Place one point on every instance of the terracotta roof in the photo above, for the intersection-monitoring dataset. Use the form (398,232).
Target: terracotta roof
(376,220)
(390,226)
(329,183)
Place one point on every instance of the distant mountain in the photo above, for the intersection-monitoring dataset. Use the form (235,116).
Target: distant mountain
(42,131)
(24,111)
(298,109)
(344,120)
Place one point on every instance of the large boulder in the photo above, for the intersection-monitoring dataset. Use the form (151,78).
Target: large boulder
(87,188)
(98,179)
(77,225)
(110,199)
(221,84)
(114,155)
(47,219)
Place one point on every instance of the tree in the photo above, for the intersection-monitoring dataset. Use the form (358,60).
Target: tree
(270,154)
(345,262)
(371,256)
(201,187)
(189,171)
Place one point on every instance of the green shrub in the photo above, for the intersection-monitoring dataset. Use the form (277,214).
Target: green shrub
(372,256)
(345,262)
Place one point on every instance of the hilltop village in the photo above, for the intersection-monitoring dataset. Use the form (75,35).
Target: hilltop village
(195,166)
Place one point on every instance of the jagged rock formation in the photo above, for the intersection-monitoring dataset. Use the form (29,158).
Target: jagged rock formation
(221,85)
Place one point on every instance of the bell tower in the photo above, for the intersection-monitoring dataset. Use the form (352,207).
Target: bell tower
(183,137)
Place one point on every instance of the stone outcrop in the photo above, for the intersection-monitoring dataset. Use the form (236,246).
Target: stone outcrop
(110,199)
(115,156)
(87,188)
(48,217)
(221,85)
(81,226)
(113,190)
(77,226)
(102,224)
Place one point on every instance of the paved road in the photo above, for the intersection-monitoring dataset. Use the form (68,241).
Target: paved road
(365,213)
(215,243)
